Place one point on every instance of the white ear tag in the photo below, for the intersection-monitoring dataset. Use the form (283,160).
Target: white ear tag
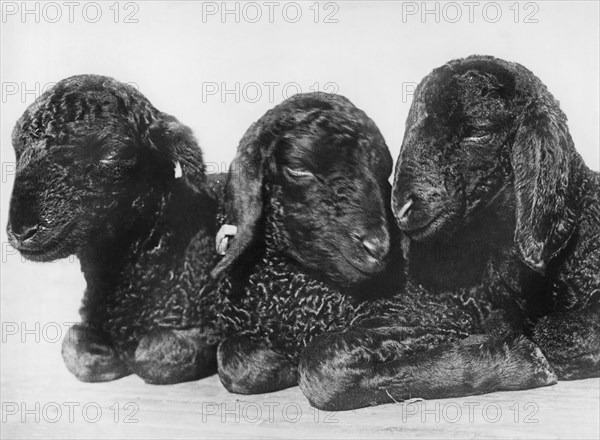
(405,208)
(178,170)
(225,234)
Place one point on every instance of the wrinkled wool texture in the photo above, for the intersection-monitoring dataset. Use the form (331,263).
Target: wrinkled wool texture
(286,306)
(168,285)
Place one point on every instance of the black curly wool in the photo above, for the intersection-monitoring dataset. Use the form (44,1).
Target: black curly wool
(97,177)
(156,294)
(286,305)
(288,308)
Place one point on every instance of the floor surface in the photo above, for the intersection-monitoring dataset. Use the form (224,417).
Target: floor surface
(40,399)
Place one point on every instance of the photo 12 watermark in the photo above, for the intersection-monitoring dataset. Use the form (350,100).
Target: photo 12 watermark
(270,12)
(469,412)
(264,412)
(265,91)
(37,332)
(10,253)
(27,92)
(470,12)
(69,412)
(70,12)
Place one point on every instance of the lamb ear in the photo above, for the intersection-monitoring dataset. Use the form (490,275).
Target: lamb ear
(244,193)
(541,162)
(175,150)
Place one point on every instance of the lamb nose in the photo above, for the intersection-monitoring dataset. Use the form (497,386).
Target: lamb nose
(375,247)
(25,232)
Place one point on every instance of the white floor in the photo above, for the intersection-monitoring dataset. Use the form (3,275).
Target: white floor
(40,399)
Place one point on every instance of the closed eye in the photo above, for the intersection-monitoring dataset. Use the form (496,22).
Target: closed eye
(477,138)
(109,158)
(297,173)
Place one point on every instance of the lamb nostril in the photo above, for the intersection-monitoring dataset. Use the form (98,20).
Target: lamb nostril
(403,213)
(26,232)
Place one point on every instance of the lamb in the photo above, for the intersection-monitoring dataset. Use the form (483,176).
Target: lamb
(307,192)
(104,175)
(488,159)
(316,249)
(493,202)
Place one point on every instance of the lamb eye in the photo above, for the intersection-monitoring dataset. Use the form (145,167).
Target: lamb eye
(477,137)
(296,172)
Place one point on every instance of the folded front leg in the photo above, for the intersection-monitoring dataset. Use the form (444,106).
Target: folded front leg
(247,366)
(90,356)
(364,367)
(571,342)
(170,356)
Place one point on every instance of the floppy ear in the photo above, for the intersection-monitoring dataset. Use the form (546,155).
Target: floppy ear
(243,192)
(175,151)
(541,159)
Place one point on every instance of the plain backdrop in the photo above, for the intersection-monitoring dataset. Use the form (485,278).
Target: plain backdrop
(183,55)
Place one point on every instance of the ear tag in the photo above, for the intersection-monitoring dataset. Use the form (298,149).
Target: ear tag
(224,236)
(405,209)
(178,170)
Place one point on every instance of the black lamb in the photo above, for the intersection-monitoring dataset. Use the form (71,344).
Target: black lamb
(308,192)
(104,175)
(488,161)
(494,203)
(316,249)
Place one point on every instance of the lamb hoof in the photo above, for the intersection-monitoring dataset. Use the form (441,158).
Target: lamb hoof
(89,356)
(249,367)
(329,372)
(540,371)
(173,356)
(572,347)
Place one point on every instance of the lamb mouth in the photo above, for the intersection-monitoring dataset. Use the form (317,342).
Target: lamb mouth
(50,249)
(427,229)
(374,268)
